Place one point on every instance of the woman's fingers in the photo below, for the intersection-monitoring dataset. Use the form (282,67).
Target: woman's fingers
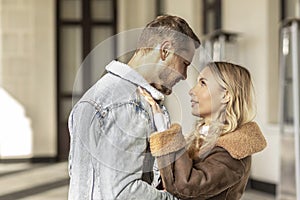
(147,96)
(150,100)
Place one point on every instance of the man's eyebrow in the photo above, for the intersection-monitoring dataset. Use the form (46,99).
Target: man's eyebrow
(187,62)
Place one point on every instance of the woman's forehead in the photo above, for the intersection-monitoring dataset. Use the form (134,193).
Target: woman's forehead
(208,75)
(205,72)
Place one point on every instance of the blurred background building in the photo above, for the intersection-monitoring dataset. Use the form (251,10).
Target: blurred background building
(44,42)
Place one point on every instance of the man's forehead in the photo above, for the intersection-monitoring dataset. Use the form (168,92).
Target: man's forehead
(187,53)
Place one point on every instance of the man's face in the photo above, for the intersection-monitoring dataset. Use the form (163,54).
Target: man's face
(174,69)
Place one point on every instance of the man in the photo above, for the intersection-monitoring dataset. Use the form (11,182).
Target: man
(111,123)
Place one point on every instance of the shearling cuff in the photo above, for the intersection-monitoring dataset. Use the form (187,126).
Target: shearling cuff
(168,141)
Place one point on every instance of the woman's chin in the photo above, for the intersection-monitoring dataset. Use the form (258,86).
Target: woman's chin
(196,114)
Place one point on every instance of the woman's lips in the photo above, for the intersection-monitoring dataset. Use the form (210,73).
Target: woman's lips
(193,102)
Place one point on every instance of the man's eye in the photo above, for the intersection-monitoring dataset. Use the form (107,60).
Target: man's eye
(186,64)
(202,83)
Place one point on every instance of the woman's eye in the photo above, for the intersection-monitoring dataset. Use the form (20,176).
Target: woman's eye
(202,83)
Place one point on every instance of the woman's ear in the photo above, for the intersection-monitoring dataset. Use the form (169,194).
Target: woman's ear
(226,97)
(165,50)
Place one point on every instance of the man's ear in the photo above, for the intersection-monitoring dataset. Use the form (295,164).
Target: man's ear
(226,97)
(165,49)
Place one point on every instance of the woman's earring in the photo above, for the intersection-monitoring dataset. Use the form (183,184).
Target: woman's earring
(226,98)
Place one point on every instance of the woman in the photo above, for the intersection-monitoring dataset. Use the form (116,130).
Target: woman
(214,161)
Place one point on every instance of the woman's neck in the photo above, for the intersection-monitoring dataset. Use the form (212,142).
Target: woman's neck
(213,117)
(207,121)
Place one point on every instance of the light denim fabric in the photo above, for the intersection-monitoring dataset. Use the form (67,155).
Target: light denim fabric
(109,150)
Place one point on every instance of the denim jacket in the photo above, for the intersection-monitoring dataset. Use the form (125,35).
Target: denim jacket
(109,148)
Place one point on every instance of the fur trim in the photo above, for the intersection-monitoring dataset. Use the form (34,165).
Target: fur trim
(244,141)
(168,141)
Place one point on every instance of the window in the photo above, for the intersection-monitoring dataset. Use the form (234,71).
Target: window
(81,25)
(211,16)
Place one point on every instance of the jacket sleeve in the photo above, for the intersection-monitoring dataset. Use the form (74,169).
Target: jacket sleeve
(122,155)
(186,178)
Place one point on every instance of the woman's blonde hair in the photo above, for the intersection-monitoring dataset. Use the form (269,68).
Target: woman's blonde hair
(236,80)
(240,108)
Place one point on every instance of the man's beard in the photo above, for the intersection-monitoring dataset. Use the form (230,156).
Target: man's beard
(161,88)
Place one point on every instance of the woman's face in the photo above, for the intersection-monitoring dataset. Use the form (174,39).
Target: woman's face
(206,95)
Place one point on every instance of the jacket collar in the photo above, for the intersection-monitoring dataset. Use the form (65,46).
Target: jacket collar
(243,142)
(126,72)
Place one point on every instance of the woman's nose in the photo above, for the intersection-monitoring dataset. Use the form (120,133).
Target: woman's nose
(191,92)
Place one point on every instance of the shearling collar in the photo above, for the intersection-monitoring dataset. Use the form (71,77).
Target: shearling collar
(244,141)
(126,72)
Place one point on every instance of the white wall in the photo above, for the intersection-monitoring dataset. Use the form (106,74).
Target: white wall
(0,46)
(45,136)
(258,21)
(135,13)
(190,10)
(28,67)
(178,103)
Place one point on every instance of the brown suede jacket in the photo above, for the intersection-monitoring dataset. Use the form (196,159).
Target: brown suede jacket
(222,174)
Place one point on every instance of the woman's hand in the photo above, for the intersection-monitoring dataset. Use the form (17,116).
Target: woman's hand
(150,100)
(159,118)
